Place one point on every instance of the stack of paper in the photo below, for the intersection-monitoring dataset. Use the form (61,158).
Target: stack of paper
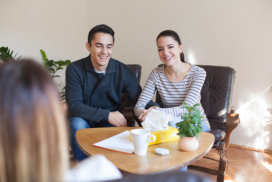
(119,143)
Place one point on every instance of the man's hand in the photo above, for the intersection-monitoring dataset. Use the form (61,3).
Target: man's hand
(117,119)
(145,112)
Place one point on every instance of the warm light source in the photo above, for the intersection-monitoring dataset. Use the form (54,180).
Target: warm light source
(267,165)
(191,57)
(256,122)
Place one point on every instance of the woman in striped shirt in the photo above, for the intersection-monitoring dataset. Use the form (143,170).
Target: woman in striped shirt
(177,82)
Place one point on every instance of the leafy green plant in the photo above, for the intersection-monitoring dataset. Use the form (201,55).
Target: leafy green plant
(52,68)
(6,55)
(62,91)
(190,124)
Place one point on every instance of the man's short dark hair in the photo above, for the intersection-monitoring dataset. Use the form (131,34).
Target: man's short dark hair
(100,28)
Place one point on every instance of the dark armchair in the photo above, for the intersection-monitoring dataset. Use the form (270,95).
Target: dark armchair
(127,107)
(216,95)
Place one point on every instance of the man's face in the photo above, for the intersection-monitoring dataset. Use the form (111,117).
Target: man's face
(101,50)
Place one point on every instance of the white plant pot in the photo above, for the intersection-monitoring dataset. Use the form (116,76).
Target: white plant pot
(188,144)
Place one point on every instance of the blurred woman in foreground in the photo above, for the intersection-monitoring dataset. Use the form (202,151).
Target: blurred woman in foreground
(33,131)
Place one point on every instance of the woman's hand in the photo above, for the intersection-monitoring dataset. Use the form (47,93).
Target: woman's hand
(145,112)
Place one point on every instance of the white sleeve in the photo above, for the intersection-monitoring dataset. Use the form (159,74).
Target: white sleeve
(94,168)
(192,96)
(147,93)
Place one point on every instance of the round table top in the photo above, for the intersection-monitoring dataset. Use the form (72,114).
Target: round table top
(151,162)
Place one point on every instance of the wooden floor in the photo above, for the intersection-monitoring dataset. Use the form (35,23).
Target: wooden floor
(244,165)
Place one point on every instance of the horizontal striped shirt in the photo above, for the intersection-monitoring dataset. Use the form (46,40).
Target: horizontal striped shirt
(173,94)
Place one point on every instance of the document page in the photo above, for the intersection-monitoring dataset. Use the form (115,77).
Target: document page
(119,143)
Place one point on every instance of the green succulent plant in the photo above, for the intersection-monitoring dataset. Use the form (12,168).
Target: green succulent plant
(190,124)
(6,55)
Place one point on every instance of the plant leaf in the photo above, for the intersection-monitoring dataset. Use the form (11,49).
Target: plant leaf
(185,104)
(196,105)
(6,54)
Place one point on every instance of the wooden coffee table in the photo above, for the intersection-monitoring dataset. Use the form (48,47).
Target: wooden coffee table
(148,164)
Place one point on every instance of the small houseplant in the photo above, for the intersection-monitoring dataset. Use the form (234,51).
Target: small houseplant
(189,128)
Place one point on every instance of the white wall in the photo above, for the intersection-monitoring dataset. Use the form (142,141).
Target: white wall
(58,27)
(235,33)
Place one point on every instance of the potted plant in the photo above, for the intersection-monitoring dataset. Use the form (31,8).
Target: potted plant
(52,67)
(189,128)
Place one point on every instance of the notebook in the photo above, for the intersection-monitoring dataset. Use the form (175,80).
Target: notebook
(118,143)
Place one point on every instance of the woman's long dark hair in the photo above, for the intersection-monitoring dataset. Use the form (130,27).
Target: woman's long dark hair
(175,36)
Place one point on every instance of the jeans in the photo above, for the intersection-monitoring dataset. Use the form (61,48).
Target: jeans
(178,119)
(77,123)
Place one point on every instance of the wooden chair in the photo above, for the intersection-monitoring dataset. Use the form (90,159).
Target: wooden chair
(216,97)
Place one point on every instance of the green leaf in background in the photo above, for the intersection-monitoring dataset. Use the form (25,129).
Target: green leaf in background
(62,91)
(52,68)
(6,55)
(44,57)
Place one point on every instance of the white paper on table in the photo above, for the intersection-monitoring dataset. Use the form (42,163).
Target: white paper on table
(119,143)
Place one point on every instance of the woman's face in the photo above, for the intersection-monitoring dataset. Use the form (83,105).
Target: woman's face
(169,50)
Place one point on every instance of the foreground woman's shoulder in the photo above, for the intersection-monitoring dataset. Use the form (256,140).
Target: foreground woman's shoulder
(93,169)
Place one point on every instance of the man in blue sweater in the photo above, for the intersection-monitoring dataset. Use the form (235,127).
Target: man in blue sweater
(94,86)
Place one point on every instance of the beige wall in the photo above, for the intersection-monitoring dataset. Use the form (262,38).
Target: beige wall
(235,33)
(58,27)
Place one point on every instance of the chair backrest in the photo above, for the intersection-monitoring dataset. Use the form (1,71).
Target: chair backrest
(216,94)
(137,69)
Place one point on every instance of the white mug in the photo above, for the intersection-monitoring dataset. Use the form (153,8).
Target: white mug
(141,139)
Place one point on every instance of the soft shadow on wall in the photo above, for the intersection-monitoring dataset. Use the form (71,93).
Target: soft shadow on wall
(256,122)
